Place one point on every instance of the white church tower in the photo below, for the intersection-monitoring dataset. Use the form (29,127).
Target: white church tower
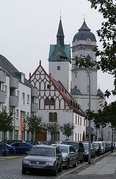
(60,60)
(84,42)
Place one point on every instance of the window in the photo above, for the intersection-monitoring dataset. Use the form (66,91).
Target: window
(48,86)
(17,114)
(58,67)
(47,101)
(27,99)
(23,98)
(76,119)
(52,101)
(52,117)
(5,89)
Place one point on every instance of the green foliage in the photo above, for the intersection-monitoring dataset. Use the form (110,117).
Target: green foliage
(105,116)
(6,121)
(107,35)
(34,124)
(67,129)
(52,128)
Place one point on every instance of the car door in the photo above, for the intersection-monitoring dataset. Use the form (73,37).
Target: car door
(59,157)
(73,155)
(81,151)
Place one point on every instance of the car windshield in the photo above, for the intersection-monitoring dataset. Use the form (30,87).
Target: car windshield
(86,146)
(95,144)
(42,151)
(63,149)
(75,145)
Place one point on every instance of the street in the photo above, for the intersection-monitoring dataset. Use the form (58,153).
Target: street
(11,169)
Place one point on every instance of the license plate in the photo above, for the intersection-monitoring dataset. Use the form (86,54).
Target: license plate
(37,166)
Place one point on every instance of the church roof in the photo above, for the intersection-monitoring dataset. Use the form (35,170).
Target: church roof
(60,51)
(84,33)
(99,91)
(75,91)
(60,32)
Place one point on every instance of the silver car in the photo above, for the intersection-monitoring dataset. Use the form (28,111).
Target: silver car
(43,157)
(69,154)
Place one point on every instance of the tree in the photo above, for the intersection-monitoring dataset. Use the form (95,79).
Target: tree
(67,129)
(6,124)
(53,128)
(107,35)
(34,124)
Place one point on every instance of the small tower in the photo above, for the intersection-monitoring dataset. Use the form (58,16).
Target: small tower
(60,59)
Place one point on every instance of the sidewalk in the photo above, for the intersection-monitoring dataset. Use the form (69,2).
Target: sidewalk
(104,166)
(9,157)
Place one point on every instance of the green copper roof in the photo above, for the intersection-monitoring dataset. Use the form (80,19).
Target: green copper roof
(59,53)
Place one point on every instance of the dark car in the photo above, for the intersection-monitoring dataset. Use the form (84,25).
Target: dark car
(21,147)
(86,149)
(43,157)
(97,148)
(8,149)
(10,141)
(78,147)
(69,155)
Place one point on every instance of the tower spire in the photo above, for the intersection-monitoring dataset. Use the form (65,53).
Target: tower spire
(60,33)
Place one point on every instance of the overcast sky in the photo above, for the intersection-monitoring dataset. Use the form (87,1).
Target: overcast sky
(28,27)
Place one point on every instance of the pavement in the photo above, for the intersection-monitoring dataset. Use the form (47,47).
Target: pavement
(103,166)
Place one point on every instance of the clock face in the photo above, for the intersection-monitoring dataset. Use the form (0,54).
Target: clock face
(58,53)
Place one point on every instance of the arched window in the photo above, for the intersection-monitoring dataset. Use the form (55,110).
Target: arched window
(52,102)
(47,101)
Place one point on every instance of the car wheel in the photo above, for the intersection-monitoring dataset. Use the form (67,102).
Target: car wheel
(55,171)
(67,164)
(81,161)
(76,163)
(60,169)
(23,171)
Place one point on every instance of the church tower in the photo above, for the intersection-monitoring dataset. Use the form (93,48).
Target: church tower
(84,42)
(60,59)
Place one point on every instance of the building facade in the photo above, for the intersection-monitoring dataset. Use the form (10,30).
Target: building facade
(17,95)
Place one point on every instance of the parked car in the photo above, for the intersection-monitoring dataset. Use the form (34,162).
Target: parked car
(43,157)
(101,145)
(21,147)
(9,149)
(86,149)
(78,147)
(97,148)
(10,141)
(69,155)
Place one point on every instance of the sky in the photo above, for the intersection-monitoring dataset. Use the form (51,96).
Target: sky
(28,27)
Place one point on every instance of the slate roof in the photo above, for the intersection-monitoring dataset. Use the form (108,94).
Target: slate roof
(84,34)
(75,91)
(11,70)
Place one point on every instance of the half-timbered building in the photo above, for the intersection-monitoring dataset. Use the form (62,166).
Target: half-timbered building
(55,104)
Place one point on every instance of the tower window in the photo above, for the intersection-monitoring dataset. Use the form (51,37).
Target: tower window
(58,67)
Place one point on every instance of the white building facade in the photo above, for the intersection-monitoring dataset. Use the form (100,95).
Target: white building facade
(16,95)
